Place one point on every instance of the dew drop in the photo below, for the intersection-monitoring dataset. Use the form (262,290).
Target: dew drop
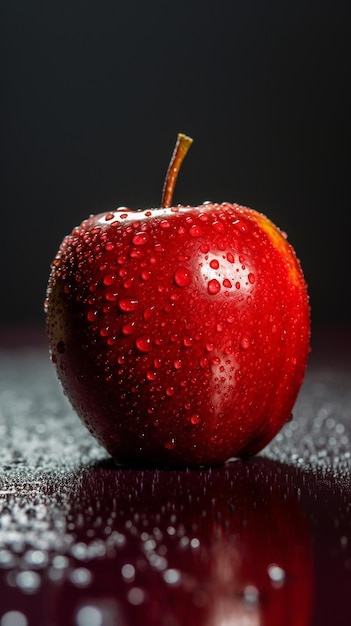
(218,226)
(147,313)
(109,217)
(136,254)
(182,277)
(128,283)
(144,343)
(128,329)
(245,342)
(140,239)
(165,224)
(111,296)
(150,375)
(195,419)
(213,287)
(145,275)
(108,279)
(128,304)
(92,315)
(187,342)
(195,231)
(170,444)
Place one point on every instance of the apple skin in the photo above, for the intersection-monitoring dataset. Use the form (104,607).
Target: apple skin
(180,335)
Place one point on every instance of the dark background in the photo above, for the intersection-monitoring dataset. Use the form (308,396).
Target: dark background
(93,95)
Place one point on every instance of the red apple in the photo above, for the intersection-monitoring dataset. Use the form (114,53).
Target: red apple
(180,334)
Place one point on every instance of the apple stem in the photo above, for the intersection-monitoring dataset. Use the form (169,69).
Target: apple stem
(181,148)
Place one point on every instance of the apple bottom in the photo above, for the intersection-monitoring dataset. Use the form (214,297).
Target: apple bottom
(195,421)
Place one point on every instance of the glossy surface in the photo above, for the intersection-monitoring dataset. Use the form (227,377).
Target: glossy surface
(180,335)
(84,542)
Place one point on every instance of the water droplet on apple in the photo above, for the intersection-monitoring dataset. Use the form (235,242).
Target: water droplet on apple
(170,444)
(230,257)
(227,283)
(108,279)
(128,329)
(140,239)
(214,264)
(188,342)
(150,375)
(165,224)
(195,231)
(136,253)
(144,343)
(170,391)
(147,313)
(251,278)
(128,304)
(245,342)
(182,277)
(213,287)
(109,217)
(145,275)
(92,315)
(218,226)
(177,363)
(111,296)
(195,419)
(204,248)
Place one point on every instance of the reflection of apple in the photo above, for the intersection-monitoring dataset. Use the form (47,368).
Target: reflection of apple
(205,548)
(180,335)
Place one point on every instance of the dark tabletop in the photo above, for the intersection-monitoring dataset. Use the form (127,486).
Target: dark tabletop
(84,542)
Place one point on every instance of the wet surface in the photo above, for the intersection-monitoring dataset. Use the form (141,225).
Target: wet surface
(84,542)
